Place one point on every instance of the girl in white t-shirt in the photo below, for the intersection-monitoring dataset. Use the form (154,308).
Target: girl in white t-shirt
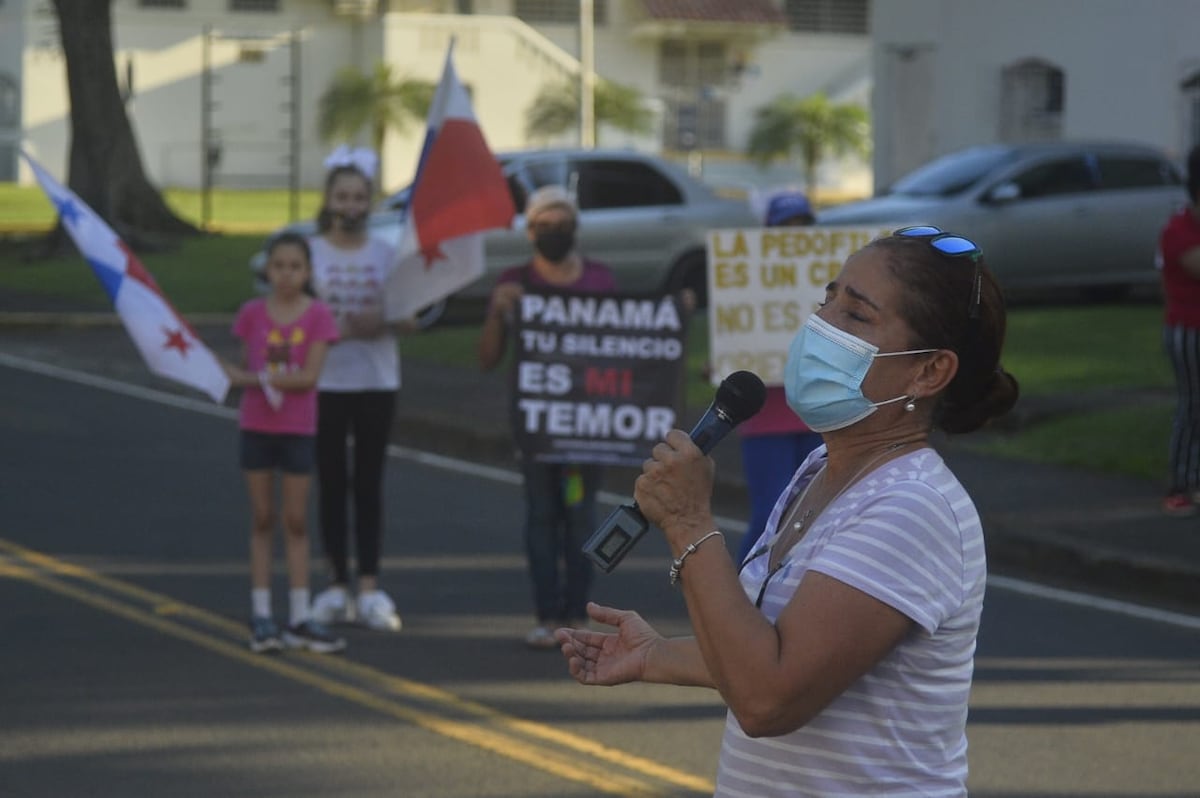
(357,392)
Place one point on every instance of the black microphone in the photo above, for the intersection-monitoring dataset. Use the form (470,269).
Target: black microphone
(739,396)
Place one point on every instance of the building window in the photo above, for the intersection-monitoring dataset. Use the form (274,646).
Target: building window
(1032,97)
(695,77)
(10,120)
(10,103)
(558,11)
(162,3)
(828,16)
(261,6)
(1191,110)
(464,6)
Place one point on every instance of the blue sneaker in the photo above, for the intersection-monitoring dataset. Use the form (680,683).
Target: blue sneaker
(264,636)
(312,636)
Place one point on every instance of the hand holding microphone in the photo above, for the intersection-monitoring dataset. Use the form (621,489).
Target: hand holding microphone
(739,396)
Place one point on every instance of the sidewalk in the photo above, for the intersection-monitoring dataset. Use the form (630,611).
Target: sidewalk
(1075,528)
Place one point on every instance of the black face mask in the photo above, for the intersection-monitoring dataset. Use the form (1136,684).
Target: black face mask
(352,224)
(553,245)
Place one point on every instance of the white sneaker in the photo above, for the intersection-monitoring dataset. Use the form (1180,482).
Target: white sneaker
(377,611)
(541,637)
(332,605)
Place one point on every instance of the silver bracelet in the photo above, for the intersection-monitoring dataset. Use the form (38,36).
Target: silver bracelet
(677,565)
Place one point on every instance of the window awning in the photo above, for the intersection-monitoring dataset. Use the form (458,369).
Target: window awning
(733,19)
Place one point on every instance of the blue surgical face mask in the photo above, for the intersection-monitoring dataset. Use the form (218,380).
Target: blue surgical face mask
(824,374)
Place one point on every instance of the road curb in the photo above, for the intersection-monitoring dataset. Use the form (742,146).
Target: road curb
(1064,559)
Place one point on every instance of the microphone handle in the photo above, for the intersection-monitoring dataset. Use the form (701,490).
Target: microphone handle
(710,430)
(626,524)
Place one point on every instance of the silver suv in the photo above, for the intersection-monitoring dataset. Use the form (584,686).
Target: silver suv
(1079,215)
(643,216)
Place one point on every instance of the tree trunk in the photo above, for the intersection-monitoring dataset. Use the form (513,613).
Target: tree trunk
(105,165)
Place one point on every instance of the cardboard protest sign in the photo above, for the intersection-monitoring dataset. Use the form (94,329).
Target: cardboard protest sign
(762,285)
(596,379)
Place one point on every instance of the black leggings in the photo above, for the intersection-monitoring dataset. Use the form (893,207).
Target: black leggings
(366,416)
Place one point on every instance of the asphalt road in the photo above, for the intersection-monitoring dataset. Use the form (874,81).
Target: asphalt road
(123,669)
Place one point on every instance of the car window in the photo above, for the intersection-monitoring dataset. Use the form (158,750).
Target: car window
(525,175)
(519,193)
(952,174)
(545,172)
(397,201)
(1135,171)
(622,184)
(1061,176)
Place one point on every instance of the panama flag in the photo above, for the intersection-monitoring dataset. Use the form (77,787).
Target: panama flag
(168,344)
(458,192)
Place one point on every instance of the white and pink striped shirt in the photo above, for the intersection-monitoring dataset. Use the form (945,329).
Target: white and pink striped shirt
(909,535)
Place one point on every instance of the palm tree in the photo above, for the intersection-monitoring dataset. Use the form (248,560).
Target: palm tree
(812,127)
(556,109)
(377,101)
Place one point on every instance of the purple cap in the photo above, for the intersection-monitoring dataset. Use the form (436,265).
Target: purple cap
(786,206)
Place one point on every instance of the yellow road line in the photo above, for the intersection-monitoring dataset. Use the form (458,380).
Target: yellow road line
(160,612)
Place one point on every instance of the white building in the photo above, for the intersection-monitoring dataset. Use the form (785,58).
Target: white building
(953,73)
(704,67)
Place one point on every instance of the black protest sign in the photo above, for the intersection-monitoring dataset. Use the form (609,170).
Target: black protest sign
(596,378)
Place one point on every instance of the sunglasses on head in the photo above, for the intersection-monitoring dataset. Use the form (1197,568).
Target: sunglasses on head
(952,246)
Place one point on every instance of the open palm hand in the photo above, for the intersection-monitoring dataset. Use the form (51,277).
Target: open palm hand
(607,658)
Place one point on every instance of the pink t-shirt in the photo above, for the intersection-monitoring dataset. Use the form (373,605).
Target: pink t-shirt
(281,348)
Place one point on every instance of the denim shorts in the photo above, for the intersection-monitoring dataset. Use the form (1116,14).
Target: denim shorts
(268,451)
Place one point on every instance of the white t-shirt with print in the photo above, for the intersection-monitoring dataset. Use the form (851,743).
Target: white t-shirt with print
(352,281)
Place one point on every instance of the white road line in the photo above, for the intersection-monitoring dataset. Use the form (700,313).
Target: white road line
(116,386)
(1094,602)
(510,477)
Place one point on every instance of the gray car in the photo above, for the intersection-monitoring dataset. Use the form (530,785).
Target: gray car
(1077,215)
(642,215)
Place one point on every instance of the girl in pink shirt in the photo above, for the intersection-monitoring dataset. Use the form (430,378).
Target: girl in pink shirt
(285,337)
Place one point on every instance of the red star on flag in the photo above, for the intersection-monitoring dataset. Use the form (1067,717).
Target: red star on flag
(176,340)
(432,253)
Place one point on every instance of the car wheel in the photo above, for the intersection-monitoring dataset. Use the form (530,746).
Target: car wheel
(689,272)
(431,314)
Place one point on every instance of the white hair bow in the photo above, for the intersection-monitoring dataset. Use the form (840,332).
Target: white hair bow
(361,158)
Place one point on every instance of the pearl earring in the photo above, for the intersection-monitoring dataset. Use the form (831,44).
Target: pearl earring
(911,406)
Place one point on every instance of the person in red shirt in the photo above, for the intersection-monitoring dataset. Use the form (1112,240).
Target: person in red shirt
(1179,260)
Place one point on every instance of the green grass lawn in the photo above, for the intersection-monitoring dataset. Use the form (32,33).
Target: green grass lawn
(1058,352)
(24,208)
(1053,350)
(1058,349)
(1129,440)
(245,211)
(205,274)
